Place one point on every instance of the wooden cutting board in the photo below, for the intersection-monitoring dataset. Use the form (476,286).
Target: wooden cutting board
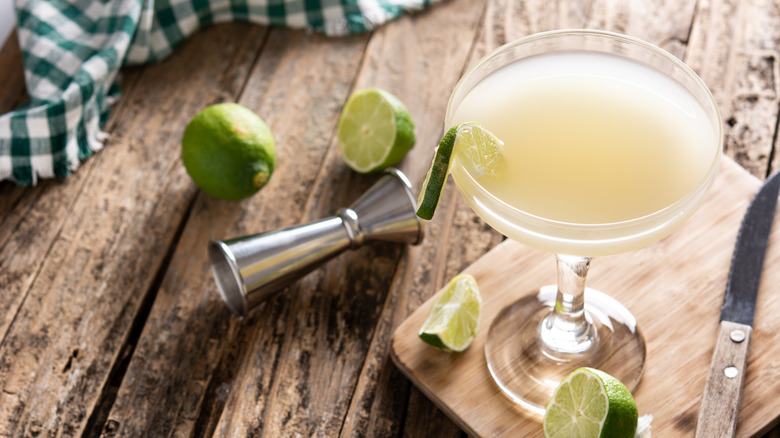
(674,288)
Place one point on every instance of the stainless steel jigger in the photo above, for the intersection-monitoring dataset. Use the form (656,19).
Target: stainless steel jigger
(251,269)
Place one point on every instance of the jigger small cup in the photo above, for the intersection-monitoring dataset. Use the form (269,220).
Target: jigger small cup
(249,270)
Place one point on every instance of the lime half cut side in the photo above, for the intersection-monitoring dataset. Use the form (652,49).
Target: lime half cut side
(478,150)
(590,404)
(455,317)
(375,130)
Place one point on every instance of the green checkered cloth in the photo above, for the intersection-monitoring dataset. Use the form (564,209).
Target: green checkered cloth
(73,49)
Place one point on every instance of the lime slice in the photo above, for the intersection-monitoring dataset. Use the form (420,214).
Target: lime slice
(590,403)
(477,148)
(454,318)
(375,130)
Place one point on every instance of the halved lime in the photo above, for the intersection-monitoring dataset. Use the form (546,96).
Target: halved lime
(477,148)
(454,319)
(590,404)
(375,130)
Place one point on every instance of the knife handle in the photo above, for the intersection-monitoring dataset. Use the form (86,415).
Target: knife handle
(720,402)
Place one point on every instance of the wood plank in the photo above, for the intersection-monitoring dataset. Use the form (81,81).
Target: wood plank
(676,306)
(12,75)
(28,216)
(441,39)
(246,373)
(31,217)
(299,372)
(664,23)
(109,240)
(31,223)
(734,48)
(210,370)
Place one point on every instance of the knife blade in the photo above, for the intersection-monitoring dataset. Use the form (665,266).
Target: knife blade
(723,390)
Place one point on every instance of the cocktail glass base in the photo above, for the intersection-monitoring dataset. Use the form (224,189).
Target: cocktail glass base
(528,370)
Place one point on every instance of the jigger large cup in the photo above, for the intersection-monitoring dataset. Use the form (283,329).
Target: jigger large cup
(249,270)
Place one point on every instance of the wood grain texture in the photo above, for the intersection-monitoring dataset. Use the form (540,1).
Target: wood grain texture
(378,400)
(109,320)
(189,333)
(734,48)
(29,218)
(664,23)
(723,391)
(677,307)
(108,231)
(11,75)
(441,38)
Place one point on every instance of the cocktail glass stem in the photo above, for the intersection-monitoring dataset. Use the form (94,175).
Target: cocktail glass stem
(536,341)
(567,328)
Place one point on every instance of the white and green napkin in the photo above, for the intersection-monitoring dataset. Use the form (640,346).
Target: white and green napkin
(73,49)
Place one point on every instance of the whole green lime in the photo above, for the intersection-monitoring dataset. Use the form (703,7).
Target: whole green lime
(228,151)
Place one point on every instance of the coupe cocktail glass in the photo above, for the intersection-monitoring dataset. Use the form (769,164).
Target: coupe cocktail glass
(610,143)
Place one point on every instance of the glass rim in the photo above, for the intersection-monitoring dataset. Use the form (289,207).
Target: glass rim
(700,187)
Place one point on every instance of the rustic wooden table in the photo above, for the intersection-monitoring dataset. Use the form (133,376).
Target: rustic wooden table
(110,322)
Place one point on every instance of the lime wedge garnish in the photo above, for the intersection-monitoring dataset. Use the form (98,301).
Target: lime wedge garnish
(477,148)
(454,319)
(590,403)
(375,130)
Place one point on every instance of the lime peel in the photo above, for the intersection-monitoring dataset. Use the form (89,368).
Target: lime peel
(481,151)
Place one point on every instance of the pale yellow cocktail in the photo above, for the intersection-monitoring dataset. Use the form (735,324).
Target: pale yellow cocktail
(589,139)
